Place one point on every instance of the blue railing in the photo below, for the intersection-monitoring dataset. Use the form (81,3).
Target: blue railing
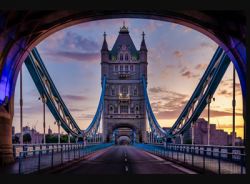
(215,159)
(37,160)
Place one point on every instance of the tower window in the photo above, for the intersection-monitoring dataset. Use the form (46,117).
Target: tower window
(113,92)
(126,57)
(132,110)
(124,90)
(121,57)
(124,108)
(137,109)
(135,92)
(126,68)
(111,109)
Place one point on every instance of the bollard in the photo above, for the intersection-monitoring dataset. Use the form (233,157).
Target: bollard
(219,161)
(192,155)
(20,163)
(61,155)
(39,160)
(52,157)
(204,159)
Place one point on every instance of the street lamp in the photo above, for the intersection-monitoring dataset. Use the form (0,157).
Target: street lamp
(43,98)
(59,125)
(233,104)
(208,117)
(21,107)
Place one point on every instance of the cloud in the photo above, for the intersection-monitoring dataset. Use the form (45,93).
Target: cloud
(78,56)
(208,45)
(74,97)
(178,54)
(75,41)
(226,88)
(75,110)
(215,113)
(186,29)
(156,90)
(185,72)
(201,66)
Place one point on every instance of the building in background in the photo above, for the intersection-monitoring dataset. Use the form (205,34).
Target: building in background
(217,136)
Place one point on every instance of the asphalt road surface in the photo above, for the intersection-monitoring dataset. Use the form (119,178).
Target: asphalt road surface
(124,160)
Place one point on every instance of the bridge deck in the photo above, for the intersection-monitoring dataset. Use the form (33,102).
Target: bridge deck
(124,160)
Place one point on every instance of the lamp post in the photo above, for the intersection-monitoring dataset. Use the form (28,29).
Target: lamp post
(208,117)
(44,124)
(59,125)
(233,104)
(21,106)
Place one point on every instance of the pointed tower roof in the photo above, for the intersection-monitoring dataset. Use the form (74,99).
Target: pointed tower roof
(143,44)
(124,39)
(104,45)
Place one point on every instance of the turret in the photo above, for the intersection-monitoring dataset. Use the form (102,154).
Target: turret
(143,57)
(104,50)
(143,49)
(104,57)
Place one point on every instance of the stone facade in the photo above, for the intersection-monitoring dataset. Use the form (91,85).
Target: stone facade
(124,103)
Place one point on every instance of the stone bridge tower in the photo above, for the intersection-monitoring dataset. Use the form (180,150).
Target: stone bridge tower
(124,103)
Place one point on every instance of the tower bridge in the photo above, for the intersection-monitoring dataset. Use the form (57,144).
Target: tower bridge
(124,108)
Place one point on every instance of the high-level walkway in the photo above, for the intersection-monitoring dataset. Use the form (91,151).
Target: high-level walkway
(124,159)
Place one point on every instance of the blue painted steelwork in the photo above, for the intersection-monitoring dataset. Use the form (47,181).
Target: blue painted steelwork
(93,127)
(47,88)
(154,125)
(198,101)
(54,101)
(205,89)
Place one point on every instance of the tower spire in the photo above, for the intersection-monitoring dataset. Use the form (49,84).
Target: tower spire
(104,45)
(143,44)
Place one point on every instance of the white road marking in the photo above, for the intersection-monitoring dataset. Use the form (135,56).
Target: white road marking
(172,164)
(183,169)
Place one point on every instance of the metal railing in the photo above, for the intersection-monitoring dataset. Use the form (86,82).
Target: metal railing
(34,160)
(215,159)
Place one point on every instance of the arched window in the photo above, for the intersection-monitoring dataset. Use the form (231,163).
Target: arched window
(131,67)
(137,109)
(126,68)
(121,68)
(111,109)
(113,92)
(121,57)
(126,57)
(135,92)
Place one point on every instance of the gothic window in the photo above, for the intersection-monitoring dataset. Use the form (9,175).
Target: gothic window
(116,68)
(132,110)
(126,57)
(137,109)
(135,92)
(113,92)
(126,68)
(121,57)
(116,109)
(111,109)
(124,90)
(131,67)
(124,108)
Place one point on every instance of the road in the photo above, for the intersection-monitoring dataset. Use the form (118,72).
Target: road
(124,160)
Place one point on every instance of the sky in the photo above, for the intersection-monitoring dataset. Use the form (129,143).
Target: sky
(177,59)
